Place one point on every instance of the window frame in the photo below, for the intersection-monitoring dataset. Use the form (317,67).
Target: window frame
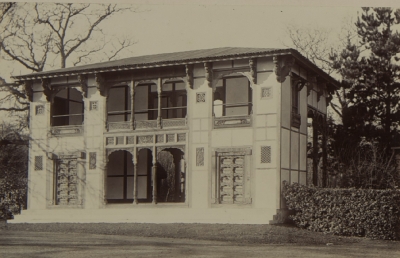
(68,99)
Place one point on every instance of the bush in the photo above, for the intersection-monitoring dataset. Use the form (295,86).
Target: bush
(346,212)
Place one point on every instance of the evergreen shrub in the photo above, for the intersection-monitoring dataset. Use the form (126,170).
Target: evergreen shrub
(347,212)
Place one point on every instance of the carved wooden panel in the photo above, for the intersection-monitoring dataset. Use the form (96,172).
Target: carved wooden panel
(93,105)
(145,139)
(265,154)
(266,92)
(181,137)
(231,177)
(110,141)
(236,121)
(200,97)
(160,138)
(120,140)
(67,130)
(130,140)
(67,182)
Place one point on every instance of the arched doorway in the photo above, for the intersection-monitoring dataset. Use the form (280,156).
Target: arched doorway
(171,176)
(119,181)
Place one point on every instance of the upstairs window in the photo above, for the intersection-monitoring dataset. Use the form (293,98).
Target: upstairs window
(173,100)
(146,102)
(67,108)
(233,97)
(119,104)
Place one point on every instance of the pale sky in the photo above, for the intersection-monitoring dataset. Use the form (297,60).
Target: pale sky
(170,26)
(163,26)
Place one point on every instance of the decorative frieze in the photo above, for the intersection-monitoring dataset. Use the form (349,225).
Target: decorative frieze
(110,141)
(130,140)
(176,122)
(146,124)
(160,138)
(67,130)
(112,126)
(181,137)
(145,139)
(170,137)
(237,121)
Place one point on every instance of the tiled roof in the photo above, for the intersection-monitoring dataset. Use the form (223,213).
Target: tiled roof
(168,59)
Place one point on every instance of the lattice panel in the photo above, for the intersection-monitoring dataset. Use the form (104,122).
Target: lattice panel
(145,139)
(120,140)
(38,163)
(92,160)
(265,154)
(67,182)
(266,92)
(199,157)
(181,137)
(200,97)
(173,122)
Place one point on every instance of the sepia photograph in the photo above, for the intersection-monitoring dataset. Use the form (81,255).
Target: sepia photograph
(155,128)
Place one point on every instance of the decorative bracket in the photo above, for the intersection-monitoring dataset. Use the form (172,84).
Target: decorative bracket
(82,78)
(208,73)
(299,81)
(253,70)
(282,67)
(101,83)
(46,85)
(189,75)
(28,90)
(310,84)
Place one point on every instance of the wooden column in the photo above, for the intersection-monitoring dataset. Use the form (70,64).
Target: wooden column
(315,150)
(324,151)
(135,171)
(159,91)
(154,176)
(132,105)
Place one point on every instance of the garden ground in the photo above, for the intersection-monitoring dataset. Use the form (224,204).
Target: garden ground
(181,240)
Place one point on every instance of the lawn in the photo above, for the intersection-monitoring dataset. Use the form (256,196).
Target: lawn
(250,234)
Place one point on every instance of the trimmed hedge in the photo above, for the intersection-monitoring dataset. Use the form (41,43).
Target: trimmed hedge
(346,212)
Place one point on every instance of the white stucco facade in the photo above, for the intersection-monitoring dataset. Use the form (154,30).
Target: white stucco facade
(225,168)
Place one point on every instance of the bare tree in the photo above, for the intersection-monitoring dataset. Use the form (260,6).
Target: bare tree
(38,35)
(319,44)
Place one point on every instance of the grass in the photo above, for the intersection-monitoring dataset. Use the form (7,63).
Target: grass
(256,234)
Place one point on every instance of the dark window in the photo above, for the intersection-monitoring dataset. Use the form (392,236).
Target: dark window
(233,97)
(119,104)
(173,100)
(67,108)
(146,102)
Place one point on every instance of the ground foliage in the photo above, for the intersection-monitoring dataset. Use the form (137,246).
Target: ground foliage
(13,170)
(347,212)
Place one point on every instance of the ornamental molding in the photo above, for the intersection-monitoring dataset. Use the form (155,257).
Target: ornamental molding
(282,67)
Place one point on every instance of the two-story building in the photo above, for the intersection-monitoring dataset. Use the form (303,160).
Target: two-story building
(203,136)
